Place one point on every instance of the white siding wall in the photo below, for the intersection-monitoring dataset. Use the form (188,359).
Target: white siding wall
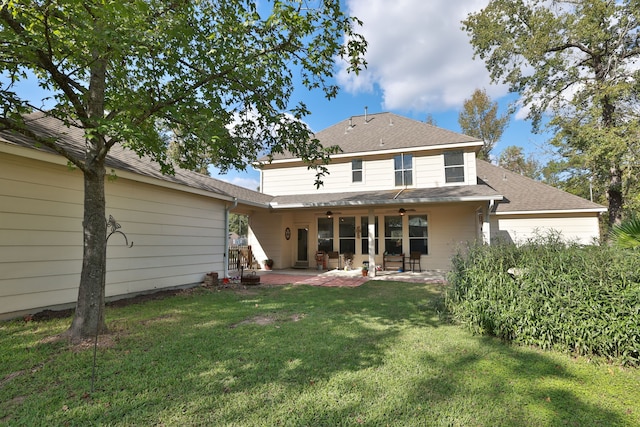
(177,236)
(583,229)
(378,174)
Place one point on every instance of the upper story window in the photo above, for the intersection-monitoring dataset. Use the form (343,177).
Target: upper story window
(403,168)
(454,166)
(356,170)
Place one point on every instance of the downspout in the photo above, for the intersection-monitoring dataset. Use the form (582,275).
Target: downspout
(225,257)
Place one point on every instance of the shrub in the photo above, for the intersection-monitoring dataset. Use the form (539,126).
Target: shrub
(552,295)
(627,234)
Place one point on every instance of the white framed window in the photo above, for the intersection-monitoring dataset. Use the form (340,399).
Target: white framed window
(325,234)
(418,234)
(403,169)
(454,166)
(356,170)
(347,234)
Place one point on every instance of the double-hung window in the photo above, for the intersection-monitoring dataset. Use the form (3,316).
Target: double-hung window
(356,170)
(347,236)
(325,234)
(418,234)
(403,168)
(393,235)
(454,166)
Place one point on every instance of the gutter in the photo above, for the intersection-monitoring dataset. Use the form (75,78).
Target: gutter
(381,202)
(225,256)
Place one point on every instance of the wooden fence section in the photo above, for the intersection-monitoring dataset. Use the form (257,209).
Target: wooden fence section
(241,257)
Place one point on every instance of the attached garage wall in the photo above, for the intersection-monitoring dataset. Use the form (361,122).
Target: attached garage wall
(178,236)
(581,228)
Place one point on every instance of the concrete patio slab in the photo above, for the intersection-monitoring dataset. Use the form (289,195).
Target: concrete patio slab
(341,278)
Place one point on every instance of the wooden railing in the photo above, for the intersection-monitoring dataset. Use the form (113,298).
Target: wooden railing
(241,257)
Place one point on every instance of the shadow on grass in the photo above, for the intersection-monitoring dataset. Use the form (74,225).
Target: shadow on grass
(372,355)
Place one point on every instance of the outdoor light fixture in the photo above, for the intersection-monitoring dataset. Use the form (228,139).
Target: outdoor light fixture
(402,211)
(329,214)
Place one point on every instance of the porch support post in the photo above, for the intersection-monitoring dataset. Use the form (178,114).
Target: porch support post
(486,224)
(371,234)
(225,257)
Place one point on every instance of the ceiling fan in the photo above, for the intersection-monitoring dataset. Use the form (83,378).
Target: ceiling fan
(403,211)
(330,214)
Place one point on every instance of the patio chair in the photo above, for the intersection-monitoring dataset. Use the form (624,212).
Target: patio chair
(333,255)
(415,257)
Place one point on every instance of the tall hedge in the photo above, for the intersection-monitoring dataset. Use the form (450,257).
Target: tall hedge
(551,294)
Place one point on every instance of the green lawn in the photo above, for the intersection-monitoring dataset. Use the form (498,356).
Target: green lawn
(374,355)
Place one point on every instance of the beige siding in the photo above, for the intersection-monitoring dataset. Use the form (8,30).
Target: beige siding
(582,228)
(378,174)
(266,236)
(429,171)
(177,236)
(285,181)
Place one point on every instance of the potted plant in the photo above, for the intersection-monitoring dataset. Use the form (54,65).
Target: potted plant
(365,270)
(268,264)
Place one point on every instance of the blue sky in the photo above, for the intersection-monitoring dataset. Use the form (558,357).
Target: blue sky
(420,63)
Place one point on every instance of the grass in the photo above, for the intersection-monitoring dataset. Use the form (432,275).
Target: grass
(375,355)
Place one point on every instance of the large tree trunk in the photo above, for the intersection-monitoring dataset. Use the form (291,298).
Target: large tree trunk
(89,315)
(614,195)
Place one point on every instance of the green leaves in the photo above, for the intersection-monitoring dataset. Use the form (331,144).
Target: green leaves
(573,64)
(627,234)
(577,299)
(217,74)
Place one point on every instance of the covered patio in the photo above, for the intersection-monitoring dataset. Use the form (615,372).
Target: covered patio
(339,278)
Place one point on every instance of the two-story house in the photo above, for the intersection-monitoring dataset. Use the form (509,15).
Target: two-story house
(400,186)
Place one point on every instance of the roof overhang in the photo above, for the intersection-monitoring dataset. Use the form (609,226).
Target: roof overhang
(303,205)
(439,195)
(553,212)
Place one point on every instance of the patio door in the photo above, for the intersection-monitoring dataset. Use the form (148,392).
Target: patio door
(303,246)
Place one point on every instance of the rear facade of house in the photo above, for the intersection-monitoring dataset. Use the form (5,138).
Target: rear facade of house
(399,187)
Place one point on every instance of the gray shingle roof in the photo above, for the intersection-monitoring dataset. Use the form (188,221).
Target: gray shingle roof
(384,131)
(521,194)
(369,198)
(524,194)
(119,158)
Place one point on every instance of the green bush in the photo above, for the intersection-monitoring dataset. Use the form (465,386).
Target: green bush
(551,294)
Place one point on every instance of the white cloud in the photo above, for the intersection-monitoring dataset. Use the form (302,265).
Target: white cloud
(418,56)
(246,182)
(249,178)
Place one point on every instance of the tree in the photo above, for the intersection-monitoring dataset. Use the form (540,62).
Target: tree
(216,73)
(512,158)
(569,174)
(479,118)
(430,120)
(574,63)
(239,224)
